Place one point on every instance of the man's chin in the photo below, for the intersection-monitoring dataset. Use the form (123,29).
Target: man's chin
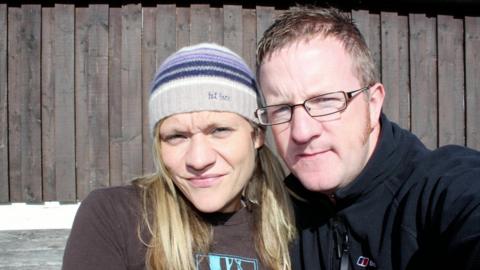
(313,182)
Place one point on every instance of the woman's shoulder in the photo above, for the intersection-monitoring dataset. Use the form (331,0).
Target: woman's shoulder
(115,200)
(125,192)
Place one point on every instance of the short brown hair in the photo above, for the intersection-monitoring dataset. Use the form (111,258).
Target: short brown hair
(307,22)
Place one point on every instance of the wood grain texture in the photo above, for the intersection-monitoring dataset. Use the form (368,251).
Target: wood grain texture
(423,78)
(24,103)
(249,37)
(115,94)
(199,23)
(131,92)
(32,249)
(92,127)
(472,81)
(183,27)
(233,28)
(394,57)
(451,84)
(64,102)
(48,105)
(149,66)
(216,25)
(4,185)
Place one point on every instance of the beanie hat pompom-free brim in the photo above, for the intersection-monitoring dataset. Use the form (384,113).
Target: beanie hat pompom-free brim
(203,77)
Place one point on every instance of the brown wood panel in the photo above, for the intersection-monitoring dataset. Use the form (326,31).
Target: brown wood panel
(249,37)
(131,91)
(166,32)
(369,25)
(394,31)
(24,112)
(472,81)
(115,94)
(216,25)
(265,17)
(4,196)
(233,28)
(64,113)
(451,85)
(92,135)
(149,65)
(183,27)
(48,105)
(423,79)
(199,23)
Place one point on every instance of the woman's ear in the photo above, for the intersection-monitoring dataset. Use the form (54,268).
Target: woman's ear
(259,137)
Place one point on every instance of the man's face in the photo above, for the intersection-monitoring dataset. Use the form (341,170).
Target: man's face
(325,154)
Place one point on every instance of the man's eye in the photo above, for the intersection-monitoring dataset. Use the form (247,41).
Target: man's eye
(325,102)
(280,110)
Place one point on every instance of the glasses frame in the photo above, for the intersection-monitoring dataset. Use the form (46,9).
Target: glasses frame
(348,98)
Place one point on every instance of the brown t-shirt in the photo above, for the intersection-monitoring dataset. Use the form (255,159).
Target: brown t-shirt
(104,236)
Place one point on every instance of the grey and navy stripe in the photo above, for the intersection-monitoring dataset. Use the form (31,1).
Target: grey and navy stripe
(203,77)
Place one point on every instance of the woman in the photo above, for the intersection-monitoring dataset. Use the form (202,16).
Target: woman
(216,200)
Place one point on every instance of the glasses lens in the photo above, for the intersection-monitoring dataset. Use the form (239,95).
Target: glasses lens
(326,104)
(275,114)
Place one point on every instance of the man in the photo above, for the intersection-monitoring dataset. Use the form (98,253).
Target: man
(367,194)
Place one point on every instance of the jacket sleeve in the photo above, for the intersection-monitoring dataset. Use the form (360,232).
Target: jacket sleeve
(454,207)
(95,241)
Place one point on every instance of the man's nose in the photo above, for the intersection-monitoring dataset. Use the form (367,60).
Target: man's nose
(303,126)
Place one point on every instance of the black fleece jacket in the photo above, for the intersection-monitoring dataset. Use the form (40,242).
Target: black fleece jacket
(410,208)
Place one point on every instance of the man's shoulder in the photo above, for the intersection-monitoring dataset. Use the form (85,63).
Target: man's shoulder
(451,157)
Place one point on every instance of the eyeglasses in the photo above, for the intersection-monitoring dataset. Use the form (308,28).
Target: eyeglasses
(322,105)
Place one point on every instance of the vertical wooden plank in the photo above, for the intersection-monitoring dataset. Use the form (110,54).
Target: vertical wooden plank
(472,82)
(92,99)
(199,23)
(183,27)
(395,67)
(423,79)
(249,37)
(265,17)
(216,25)
(166,32)
(4,194)
(131,78)
(115,94)
(48,105)
(24,103)
(369,25)
(451,86)
(64,114)
(149,66)
(233,28)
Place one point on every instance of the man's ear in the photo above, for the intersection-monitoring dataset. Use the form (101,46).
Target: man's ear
(376,97)
(259,137)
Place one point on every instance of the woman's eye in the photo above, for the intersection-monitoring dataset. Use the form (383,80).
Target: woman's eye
(221,131)
(174,138)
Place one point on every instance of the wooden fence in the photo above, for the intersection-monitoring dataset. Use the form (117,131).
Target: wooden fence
(74,84)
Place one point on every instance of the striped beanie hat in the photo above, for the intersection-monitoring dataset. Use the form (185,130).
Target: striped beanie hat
(203,77)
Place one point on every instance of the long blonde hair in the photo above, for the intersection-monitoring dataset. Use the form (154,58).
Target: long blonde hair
(177,231)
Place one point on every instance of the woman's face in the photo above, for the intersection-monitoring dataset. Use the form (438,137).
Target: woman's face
(211,156)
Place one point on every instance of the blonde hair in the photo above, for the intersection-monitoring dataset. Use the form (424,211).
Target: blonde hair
(177,231)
